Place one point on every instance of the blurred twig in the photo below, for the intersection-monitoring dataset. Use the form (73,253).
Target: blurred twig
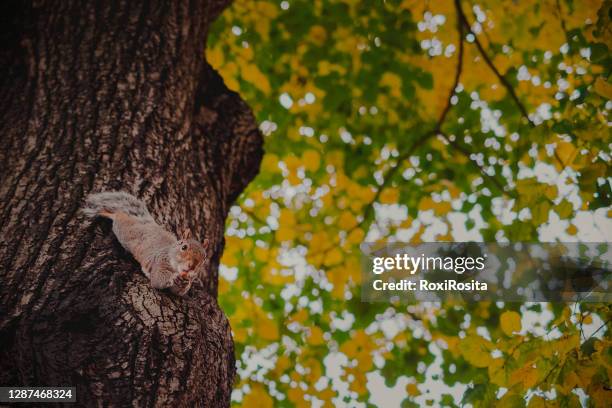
(562,20)
(600,327)
(388,176)
(253,215)
(463,150)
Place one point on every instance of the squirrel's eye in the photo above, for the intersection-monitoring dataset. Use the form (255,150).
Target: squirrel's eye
(184,247)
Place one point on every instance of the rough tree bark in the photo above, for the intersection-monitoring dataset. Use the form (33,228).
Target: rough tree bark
(114,95)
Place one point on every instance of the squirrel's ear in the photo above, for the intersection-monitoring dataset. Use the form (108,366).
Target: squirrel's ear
(205,243)
(186,234)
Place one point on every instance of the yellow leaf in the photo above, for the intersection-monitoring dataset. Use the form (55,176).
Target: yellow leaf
(253,75)
(269,163)
(224,285)
(261,254)
(266,328)
(416,238)
(300,316)
(335,158)
(551,192)
(413,390)
(258,397)
(497,372)
(572,230)
(393,82)
(440,208)
(342,181)
(603,88)
(389,196)
(510,322)
(246,53)
(570,382)
(318,35)
(537,402)
(324,68)
(315,337)
(364,362)
(564,209)
(286,217)
(240,334)
(356,236)
(476,351)
(502,62)
(285,233)
(295,395)
(246,244)
(292,162)
(528,375)
(229,259)
(214,56)
(333,257)
(566,344)
(347,220)
(282,364)
(326,395)
(540,212)
(229,73)
(565,152)
(510,400)
(294,179)
(338,277)
(359,378)
(313,368)
(529,189)
(311,159)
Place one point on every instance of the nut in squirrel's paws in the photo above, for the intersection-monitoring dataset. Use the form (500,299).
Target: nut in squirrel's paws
(189,274)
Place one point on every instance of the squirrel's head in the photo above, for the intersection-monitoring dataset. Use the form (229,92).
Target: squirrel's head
(189,254)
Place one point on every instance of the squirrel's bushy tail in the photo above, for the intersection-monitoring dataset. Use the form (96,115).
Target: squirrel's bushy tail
(115,201)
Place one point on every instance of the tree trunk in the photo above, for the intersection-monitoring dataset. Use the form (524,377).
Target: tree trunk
(114,96)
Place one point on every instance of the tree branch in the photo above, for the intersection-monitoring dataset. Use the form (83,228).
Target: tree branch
(458,71)
(461,16)
(562,20)
(388,176)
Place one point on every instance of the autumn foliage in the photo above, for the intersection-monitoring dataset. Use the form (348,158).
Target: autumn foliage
(414,121)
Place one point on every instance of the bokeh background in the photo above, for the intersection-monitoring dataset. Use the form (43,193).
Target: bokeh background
(414,121)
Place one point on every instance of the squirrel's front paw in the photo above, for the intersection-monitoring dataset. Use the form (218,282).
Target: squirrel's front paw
(180,285)
(179,280)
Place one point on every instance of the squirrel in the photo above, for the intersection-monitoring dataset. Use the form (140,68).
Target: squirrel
(168,261)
